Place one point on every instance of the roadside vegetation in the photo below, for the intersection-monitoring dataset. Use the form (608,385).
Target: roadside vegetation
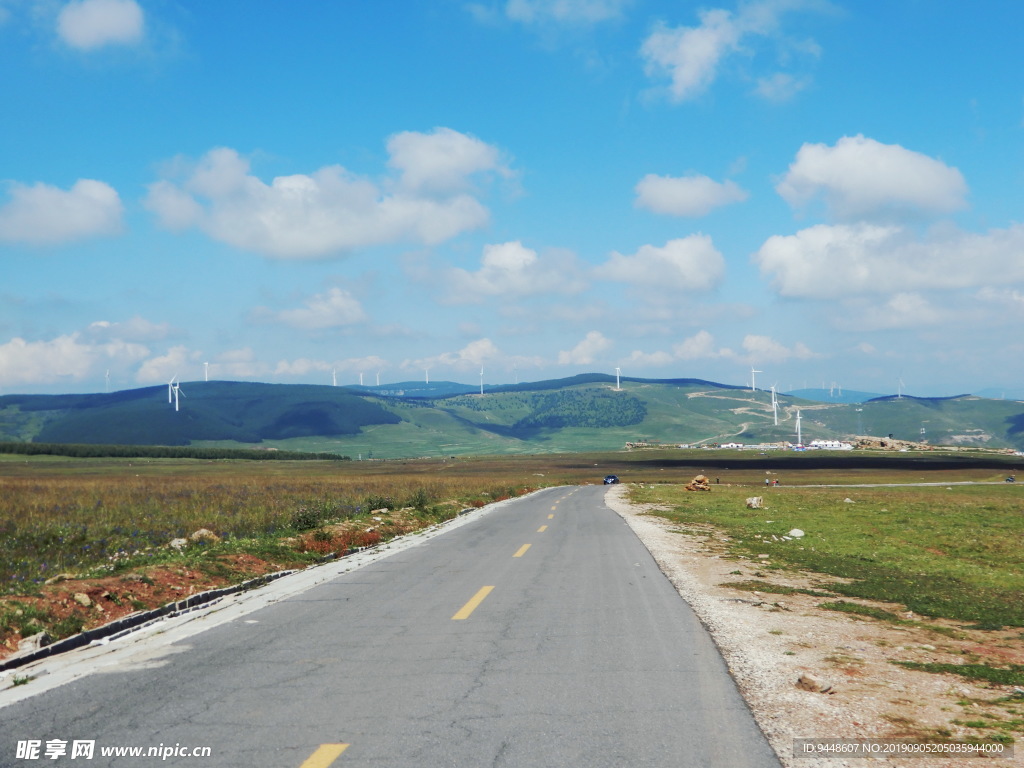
(101,528)
(939,551)
(94,517)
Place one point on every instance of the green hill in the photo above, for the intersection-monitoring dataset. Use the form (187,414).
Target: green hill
(582,413)
(209,411)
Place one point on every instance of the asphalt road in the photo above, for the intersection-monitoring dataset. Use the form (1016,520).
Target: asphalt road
(542,634)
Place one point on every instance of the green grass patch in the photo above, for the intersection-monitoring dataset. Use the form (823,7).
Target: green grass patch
(940,551)
(755,585)
(1011,675)
(25,619)
(857,609)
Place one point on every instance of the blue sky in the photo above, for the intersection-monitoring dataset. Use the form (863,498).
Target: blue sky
(825,191)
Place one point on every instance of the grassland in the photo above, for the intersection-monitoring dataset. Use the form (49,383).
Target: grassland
(59,515)
(952,551)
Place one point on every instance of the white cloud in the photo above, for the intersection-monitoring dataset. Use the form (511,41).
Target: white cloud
(175,207)
(512,269)
(162,368)
(351,368)
(651,359)
(332,210)
(471,357)
(862,178)
(902,310)
(584,353)
(443,160)
(332,309)
(699,346)
(690,263)
(686,196)
(780,86)
(564,11)
(369,364)
(302,366)
(765,349)
(690,57)
(757,349)
(836,261)
(476,353)
(45,215)
(65,357)
(179,361)
(1010,298)
(90,24)
(135,329)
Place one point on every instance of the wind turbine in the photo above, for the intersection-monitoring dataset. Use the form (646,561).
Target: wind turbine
(334,377)
(617,372)
(170,390)
(378,378)
(360,378)
(899,389)
(775,406)
(481,380)
(175,387)
(107,379)
(426,373)
(753,386)
(799,434)
(206,371)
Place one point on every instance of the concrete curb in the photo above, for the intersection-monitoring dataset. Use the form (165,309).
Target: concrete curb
(134,621)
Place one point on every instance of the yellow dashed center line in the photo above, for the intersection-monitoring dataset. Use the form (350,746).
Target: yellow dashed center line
(471,606)
(522,550)
(542,529)
(325,755)
(551,517)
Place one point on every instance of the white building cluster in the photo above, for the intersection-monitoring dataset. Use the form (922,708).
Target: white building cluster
(814,445)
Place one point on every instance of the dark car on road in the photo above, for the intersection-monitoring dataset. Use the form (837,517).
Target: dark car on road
(611,479)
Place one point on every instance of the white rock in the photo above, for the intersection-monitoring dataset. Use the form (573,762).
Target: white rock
(203,534)
(34,642)
(796,533)
(809,682)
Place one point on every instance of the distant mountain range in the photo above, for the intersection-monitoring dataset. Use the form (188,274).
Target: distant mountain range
(834,395)
(581,413)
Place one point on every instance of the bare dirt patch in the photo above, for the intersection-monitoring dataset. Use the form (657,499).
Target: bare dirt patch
(71,603)
(75,604)
(770,640)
